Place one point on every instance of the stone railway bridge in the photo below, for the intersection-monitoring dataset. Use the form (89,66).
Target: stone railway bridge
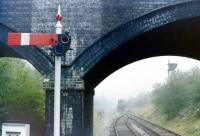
(106,35)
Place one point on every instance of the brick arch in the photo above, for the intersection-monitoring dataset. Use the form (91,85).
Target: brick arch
(32,54)
(116,49)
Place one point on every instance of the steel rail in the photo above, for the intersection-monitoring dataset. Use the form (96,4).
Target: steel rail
(152,124)
(115,126)
(135,133)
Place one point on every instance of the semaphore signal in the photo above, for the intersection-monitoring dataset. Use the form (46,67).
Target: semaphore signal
(61,44)
(32,39)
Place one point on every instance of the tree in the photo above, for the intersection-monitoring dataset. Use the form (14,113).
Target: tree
(171,97)
(21,94)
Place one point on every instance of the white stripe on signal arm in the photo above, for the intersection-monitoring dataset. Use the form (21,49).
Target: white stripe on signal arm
(25,39)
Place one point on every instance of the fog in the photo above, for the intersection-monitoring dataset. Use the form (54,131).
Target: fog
(139,77)
(136,79)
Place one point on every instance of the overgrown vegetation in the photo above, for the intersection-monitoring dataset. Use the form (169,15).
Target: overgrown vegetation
(174,104)
(21,94)
(181,90)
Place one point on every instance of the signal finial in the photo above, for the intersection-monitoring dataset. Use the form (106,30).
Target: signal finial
(58,15)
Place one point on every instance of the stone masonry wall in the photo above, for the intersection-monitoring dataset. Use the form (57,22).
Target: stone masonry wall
(86,20)
(71,113)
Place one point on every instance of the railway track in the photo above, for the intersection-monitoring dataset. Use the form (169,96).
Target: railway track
(130,125)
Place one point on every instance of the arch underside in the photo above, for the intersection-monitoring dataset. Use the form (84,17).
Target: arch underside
(177,35)
(32,54)
(177,39)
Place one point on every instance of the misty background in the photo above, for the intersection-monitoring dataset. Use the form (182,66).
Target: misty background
(132,87)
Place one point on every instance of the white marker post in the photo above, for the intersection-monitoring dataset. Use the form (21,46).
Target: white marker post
(57,83)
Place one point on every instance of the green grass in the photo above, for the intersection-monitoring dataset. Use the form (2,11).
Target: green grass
(185,126)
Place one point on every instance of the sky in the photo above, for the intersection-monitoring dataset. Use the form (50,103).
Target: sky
(140,76)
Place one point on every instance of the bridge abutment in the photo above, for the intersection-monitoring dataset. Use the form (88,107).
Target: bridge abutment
(88,112)
(76,109)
